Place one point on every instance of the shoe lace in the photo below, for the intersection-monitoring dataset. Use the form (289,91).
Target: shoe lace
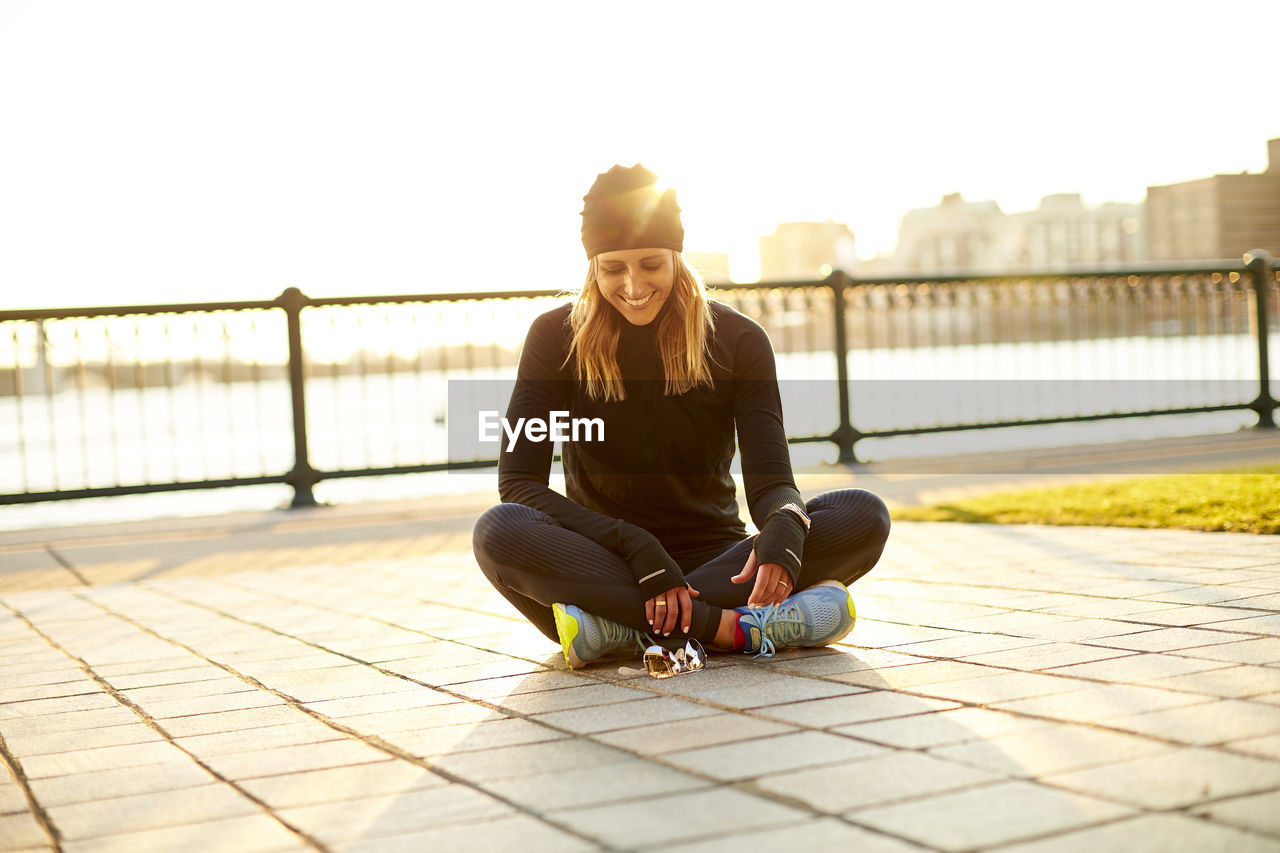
(615,634)
(784,621)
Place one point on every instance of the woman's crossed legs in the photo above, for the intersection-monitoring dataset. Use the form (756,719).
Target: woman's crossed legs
(534,562)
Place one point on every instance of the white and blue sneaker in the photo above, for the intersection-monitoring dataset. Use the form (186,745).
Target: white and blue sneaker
(586,638)
(818,616)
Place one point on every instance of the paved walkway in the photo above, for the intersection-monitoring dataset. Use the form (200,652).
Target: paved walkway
(343,679)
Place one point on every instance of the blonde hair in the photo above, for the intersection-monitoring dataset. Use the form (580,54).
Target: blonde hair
(683,333)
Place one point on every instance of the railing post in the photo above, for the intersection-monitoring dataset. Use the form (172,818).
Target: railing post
(845,435)
(1258,265)
(303,477)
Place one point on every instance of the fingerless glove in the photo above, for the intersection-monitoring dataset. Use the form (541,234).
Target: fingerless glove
(782,542)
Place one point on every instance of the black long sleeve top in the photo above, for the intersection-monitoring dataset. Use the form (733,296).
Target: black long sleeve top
(658,484)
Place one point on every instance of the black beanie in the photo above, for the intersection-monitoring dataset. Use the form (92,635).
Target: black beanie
(624,210)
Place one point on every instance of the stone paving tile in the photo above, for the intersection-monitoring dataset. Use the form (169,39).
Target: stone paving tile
(1001,687)
(266,737)
(465,737)
(563,755)
(186,690)
(987,816)
(21,832)
(291,759)
(769,755)
(150,811)
(335,784)
(1188,615)
(12,693)
(366,818)
(185,675)
(1166,639)
(944,727)
(691,734)
(230,721)
(1269,624)
(609,717)
(202,705)
(535,836)
(513,685)
(407,698)
(1101,703)
(56,742)
(911,676)
(875,780)
(1263,747)
(779,690)
(12,800)
(1265,650)
(122,782)
(156,666)
(591,786)
(454,675)
(1138,668)
(314,692)
(247,834)
(1164,833)
(860,707)
(568,698)
(412,719)
(1053,749)
(54,672)
(1102,608)
(1206,724)
(873,634)
(90,701)
(102,758)
(1042,657)
(1175,779)
(1258,813)
(834,661)
(702,813)
(817,834)
(1094,631)
(967,645)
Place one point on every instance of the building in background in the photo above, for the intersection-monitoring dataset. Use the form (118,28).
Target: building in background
(1063,233)
(955,236)
(798,251)
(714,266)
(1219,217)
(961,236)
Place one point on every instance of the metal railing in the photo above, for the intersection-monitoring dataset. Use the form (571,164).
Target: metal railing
(295,390)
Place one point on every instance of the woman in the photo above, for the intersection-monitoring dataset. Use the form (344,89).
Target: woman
(649,540)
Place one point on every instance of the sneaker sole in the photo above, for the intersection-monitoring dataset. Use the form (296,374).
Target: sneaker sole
(567,630)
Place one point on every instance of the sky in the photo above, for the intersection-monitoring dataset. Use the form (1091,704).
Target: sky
(185,150)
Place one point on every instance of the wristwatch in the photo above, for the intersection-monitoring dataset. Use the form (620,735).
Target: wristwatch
(794,509)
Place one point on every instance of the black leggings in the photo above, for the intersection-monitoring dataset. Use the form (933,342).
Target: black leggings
(534,562)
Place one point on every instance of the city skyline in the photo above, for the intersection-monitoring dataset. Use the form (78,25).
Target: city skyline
(166,152)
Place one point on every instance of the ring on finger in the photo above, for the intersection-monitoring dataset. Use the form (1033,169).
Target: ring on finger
(659,604)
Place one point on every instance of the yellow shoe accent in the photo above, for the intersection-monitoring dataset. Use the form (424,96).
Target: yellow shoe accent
(567,629)
(853,614)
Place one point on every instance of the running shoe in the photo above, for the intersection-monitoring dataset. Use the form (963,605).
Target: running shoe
(586,638)
(818,616)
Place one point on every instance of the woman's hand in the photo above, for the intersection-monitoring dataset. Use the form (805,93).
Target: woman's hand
(671,608)
(773,582)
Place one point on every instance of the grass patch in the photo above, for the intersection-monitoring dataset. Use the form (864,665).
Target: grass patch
(1244,500)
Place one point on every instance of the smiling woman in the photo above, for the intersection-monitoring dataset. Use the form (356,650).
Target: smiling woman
(672,376)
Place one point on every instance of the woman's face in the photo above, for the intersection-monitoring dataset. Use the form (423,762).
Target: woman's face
(636,281)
